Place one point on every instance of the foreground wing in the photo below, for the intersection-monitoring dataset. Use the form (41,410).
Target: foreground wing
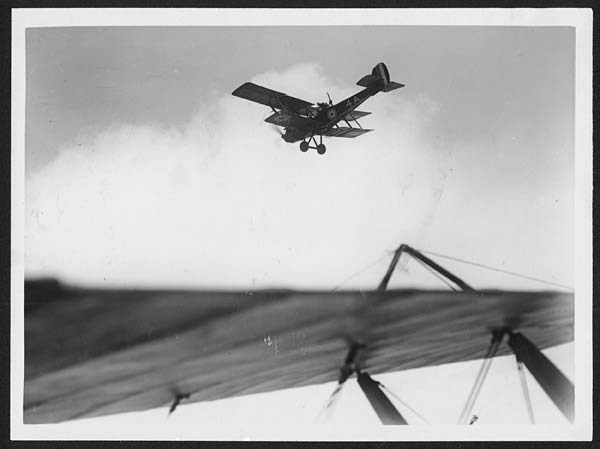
(272,98)
(114,351)
(344,131)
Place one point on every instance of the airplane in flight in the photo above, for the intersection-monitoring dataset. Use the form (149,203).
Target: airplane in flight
(304,121)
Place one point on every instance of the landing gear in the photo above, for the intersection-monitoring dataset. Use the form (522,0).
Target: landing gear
(306,144)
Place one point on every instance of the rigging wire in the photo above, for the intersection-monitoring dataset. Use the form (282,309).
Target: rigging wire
(500,270)
(481,375)
(525,391)
(362,270)
(403,403)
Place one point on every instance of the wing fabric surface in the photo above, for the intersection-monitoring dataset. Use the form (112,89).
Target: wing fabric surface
(143,345)
(344,131)
(272,98)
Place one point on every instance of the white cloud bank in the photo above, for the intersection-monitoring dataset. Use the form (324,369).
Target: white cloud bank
(224,202)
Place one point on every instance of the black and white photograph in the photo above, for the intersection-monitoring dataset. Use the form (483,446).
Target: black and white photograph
(305,224)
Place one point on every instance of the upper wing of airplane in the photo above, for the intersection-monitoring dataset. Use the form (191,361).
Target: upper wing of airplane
(92,352)
(344,131)
(272,98)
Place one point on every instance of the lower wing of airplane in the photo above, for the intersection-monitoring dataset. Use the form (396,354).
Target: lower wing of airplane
(344,131)
(93,352)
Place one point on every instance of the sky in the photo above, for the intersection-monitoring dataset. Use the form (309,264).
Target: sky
(143,170)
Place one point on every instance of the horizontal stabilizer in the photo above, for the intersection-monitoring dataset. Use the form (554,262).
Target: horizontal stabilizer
(392,85)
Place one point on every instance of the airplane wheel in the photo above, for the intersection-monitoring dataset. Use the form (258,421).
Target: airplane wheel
(303,146)
(321,148)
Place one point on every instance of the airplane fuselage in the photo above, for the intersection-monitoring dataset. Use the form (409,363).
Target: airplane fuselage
(329,116)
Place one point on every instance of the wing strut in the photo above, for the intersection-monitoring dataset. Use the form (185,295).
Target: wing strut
(426,260)
(551,379)
(350,366)
(374,390)
(556,385)
(178,397)
(481,375)
(387,413)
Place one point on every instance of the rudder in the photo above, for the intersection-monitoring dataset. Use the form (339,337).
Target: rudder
(379,77)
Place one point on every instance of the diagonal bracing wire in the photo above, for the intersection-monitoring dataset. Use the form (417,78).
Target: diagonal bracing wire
(362,270)
(481,375)
(525,391)
(500,270)
(403,403)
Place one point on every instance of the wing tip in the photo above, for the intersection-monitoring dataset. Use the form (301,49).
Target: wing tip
(239,89)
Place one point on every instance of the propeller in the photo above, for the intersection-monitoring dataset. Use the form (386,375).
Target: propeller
(330,101)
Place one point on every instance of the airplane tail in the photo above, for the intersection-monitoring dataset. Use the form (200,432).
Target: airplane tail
(379,77)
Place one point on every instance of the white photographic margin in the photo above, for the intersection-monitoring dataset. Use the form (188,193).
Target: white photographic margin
(580,19)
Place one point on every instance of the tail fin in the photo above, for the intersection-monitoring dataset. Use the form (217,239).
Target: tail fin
(379,77)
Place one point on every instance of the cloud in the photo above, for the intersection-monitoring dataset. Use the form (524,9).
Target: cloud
(223,201)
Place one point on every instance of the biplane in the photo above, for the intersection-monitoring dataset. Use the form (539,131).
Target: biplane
(304,121)
(115,351)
